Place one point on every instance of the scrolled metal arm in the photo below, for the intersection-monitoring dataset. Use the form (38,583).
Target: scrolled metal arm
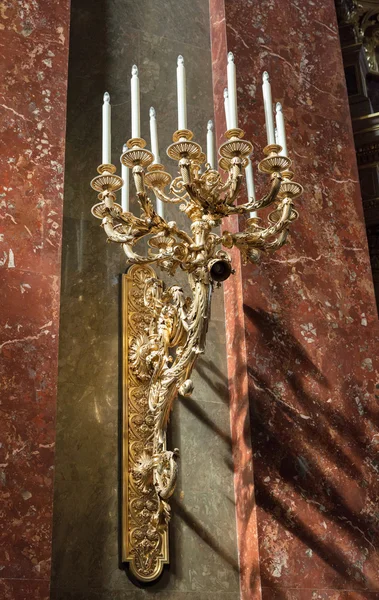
(278,242)
(267,199)
(253,240)
(137,259)
(283,221)
(160,195)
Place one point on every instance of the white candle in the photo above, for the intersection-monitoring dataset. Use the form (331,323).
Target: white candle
(226,107)
(160,210)
(134,84)
(210,145)
(125,185)
(155,150)
(232,91)
(106,130)
(281,128)
(182,98)
(250,185)
(154,135)
(269,115)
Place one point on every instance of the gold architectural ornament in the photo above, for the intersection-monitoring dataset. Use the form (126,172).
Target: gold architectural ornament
(144,544)
(363,17)
(369,27)
(164,330)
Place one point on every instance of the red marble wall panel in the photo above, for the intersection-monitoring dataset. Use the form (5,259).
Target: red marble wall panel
(247,533)
(310,323)
(33,59)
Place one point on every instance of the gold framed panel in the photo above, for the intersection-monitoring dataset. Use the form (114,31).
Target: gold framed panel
(144,546)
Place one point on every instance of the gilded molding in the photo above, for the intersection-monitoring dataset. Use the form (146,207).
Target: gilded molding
(144,546)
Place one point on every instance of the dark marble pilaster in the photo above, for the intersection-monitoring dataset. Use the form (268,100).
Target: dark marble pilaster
(310,324)
(33,55)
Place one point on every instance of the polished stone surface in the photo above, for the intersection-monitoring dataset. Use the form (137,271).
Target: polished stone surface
(204,561)
(316,593)
(33,56)
(145,595)
(311,329)
(24,589)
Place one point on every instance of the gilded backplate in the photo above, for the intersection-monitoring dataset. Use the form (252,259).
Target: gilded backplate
(144,546)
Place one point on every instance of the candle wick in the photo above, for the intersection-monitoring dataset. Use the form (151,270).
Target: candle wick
(180,60)
(210,125)
(226,93)
(278,107)
(152,112)
(230,57)
(107,97)
(134,70)
(265,76)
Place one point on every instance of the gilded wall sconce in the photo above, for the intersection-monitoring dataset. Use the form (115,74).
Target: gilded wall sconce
(164,330)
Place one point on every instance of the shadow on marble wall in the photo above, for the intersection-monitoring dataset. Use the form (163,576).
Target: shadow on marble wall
(315,465)
(107,37)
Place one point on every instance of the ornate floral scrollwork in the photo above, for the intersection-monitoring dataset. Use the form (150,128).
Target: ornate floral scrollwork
(145,545)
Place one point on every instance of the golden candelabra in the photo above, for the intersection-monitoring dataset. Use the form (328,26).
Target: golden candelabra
(164,330)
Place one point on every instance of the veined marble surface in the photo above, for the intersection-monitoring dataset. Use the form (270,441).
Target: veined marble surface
(309,351)
(33,57)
